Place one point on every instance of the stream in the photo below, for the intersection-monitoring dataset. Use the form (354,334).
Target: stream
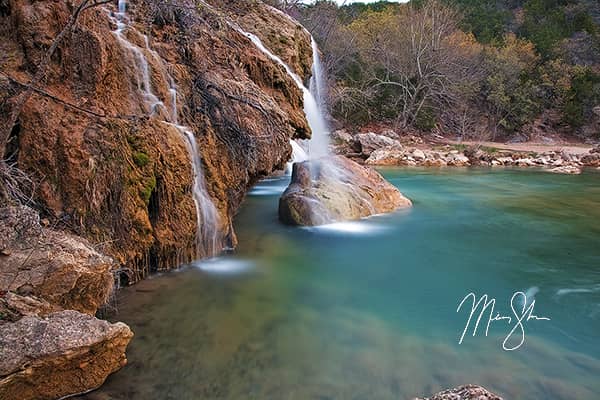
(368,309)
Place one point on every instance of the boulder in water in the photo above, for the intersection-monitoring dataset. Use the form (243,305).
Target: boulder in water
(339,189)
(64,353)
(466,392)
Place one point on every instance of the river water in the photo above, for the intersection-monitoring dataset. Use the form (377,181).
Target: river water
(368,310)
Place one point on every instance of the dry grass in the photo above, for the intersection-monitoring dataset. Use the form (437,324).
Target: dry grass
(15,185)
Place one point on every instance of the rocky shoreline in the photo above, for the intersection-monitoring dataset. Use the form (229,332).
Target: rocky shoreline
(390,149)
(52,284)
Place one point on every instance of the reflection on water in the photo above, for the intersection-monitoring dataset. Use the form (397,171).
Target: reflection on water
(223,265)
(334,313)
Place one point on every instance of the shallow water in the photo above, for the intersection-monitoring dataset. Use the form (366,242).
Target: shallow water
(367,310)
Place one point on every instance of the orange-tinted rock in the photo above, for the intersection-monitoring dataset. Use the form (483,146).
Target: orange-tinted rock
(60,268)
(340,190)
(111,173)
(62,354)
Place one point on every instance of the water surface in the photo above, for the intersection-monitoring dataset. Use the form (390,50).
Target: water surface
(367,310)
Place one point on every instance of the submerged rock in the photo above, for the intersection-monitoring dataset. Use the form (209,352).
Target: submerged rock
(325,192)
(65,353)
(467,392)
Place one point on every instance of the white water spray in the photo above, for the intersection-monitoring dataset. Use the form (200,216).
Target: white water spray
(317,81)
(319,143)
(207,219)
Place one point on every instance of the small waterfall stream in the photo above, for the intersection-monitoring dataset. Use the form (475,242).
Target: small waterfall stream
(319,143)
(207,218)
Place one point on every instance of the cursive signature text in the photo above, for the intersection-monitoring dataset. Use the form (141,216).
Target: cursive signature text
(483,309)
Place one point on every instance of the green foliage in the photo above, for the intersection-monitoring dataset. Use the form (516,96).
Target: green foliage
(490,150)
(426,119)
(486,19)
(547,22)
(520,57)
(140,158)
(354,11)
(584,94)
(146,191)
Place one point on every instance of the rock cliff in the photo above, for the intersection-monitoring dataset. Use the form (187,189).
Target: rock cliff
(101,137)
(113,170)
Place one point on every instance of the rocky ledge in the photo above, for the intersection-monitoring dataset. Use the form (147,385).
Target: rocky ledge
(63,353)
(467,392)
(386,149)
(339,189)
(51,285)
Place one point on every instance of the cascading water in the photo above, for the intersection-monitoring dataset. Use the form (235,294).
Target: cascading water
(319,143)
(317,81)
(207,233)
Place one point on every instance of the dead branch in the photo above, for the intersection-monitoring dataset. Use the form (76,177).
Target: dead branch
(42,70)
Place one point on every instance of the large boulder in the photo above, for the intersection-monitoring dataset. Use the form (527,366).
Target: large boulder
(63,269)
(367,143)
(390,155)
(65,353)
(466,392)
(334,190)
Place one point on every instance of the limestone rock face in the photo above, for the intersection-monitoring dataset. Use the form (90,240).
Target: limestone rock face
(467,392)
(278,31)
(58,267)
(114,171)
(65,353)
(340,190)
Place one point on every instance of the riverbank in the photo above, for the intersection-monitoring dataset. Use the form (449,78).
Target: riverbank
(388,148)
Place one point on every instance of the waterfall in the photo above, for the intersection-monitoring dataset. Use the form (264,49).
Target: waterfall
(317,81)
(207,217)
(319,143)
(298,155)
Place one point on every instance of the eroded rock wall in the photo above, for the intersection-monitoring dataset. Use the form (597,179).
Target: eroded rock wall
(109,170)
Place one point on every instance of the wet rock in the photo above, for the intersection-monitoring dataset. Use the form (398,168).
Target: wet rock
(65,353)
(60,268)
(435,162)
(567,169)
(125,180)
(337,190)
(467,392)
(458,160)
(367,143)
